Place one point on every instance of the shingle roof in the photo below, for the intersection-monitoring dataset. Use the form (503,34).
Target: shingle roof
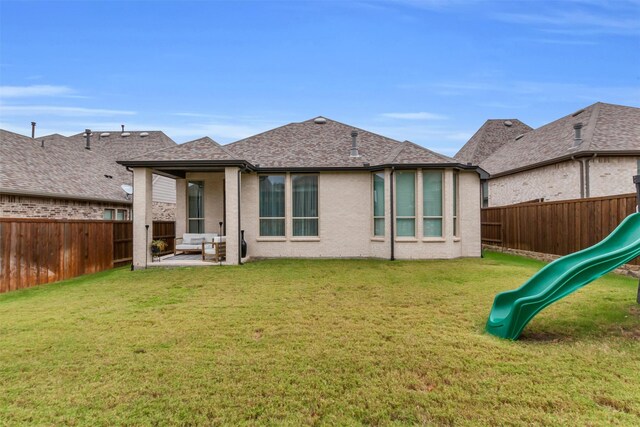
(311,145)
(493,134)
(409,153)
(116,146)
(607,129)
(199,149)
(59,168)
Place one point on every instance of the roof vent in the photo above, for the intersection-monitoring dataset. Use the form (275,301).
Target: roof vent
(104,134)
(577,113)
(122,126)
(319,120)
(87,134)
(519,136)
(33,129)
(143,134)
(354,144)
(508,123)
(577,138)
(125,134)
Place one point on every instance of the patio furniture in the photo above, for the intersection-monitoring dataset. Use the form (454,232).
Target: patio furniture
(217,249)
(193,242)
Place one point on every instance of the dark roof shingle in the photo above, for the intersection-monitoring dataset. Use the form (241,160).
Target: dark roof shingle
(493,134)
(606,128)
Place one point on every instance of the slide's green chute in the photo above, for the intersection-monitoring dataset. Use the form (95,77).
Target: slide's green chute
(512,310)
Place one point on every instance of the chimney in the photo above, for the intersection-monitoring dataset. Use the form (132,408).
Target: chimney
(33,129)
(87,134)
(354,144)
(122,126)
(577,139)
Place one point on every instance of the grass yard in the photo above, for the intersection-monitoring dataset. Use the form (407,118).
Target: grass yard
(335,342)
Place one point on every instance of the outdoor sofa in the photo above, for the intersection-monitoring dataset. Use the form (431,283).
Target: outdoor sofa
(194,242)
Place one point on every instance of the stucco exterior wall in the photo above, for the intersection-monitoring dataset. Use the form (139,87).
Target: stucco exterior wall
(346,221)
(612,175)
(560,181)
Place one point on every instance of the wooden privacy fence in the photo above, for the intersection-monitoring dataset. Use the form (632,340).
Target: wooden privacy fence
(558,228)
(38,251)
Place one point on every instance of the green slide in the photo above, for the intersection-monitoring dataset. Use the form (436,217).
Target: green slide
(512,310)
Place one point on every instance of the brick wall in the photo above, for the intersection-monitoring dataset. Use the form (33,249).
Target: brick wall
(612,175)
(13,206)
(560,181)
(608,176)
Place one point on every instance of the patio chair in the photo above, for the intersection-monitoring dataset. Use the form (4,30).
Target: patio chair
(216,248)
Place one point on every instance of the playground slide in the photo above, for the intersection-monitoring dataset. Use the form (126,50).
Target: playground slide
(512,310)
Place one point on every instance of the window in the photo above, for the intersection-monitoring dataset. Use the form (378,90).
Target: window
(378,204)
(485,194)
(121,215)
(456,229)
(405,203)
(305,205)
(108,214)
(638,167)
(195,206)
(272,205)
(432,203)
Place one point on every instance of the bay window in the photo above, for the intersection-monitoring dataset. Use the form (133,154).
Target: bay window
(378,204)
(432,203)
(456,228)
(405,203)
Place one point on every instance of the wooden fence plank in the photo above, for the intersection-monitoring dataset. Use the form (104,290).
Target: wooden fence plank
(560,227)
(34,251)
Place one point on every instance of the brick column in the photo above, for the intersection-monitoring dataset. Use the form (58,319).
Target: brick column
(181,207)
(231,177)
(142,216)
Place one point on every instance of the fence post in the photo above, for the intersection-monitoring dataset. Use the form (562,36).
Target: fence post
(636,181)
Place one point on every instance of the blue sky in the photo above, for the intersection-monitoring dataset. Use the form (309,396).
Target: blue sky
(429,71)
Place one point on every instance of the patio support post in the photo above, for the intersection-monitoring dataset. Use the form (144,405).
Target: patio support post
(232,203)
(181,207)
(142,216)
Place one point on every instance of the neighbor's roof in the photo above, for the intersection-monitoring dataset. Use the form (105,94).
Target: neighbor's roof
(606,129)
(59,169)
(311,145)
(123,145)
(493,134)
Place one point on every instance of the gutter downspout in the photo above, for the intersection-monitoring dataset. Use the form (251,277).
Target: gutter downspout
(392,237)
(586,174)
(132,191)
(581,175)
(239,225)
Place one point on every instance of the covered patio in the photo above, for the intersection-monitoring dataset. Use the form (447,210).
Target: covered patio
(207,199)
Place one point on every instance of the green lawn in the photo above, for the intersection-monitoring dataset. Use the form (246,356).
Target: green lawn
(316,342)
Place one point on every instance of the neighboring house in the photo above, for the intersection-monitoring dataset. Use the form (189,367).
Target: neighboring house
(59,177)
(318,188)
(590,153)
